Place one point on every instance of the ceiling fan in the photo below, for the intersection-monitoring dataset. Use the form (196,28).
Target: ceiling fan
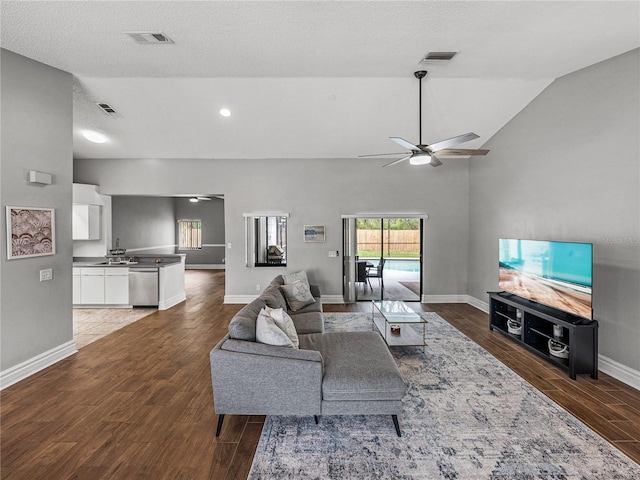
(425,154)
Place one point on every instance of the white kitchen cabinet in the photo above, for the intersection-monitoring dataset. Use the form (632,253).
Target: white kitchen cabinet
(101,286)
(86,222)
(92,286)
(116,286)
(76,286)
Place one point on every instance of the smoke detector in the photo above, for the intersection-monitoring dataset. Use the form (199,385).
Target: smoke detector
(150,38)
(438,57)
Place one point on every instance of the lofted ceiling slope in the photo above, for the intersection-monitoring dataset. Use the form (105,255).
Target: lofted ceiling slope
(316,79)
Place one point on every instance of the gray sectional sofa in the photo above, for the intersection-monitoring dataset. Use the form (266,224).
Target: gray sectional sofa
(333,373)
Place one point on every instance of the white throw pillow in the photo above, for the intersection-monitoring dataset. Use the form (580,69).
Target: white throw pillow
(267,331)
(285,322)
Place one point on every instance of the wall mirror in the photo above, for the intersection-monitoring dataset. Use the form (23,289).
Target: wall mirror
(266,239)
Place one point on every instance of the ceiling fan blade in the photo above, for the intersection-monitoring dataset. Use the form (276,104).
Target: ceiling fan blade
(450,142)
(435,161)
(381,154)
(404,143)
(398,161)
(462,151)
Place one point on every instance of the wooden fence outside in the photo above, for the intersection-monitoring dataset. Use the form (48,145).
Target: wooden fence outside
(394,240)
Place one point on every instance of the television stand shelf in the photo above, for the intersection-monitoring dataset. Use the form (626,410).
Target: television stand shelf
(533,326)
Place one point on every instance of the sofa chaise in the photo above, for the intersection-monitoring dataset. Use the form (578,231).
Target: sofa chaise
(330,373)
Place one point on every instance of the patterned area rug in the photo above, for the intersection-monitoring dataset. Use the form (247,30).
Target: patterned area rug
(466,416)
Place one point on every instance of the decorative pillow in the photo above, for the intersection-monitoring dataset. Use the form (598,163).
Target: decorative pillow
(285,322)
(295,277)
(298,295)
(268,332)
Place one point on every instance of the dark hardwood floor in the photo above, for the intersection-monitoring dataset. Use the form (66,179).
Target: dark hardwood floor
(137,404)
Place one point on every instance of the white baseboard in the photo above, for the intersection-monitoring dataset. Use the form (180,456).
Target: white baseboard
(621,372)
(170,302)
(332,299)
(479,304)
(27,368)
(205,266)
(239,298)
(445,299)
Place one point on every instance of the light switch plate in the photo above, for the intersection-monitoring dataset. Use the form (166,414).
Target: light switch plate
(46,274)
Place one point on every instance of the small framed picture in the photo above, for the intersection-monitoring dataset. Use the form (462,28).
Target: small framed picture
(30,232)
(314,233)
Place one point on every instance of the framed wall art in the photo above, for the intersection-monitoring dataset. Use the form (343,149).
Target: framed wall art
(314,233)
(30,232)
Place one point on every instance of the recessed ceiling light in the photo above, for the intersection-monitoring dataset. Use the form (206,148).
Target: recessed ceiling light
(94,137)
(225,112)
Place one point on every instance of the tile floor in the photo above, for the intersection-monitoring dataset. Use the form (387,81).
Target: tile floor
(90,324)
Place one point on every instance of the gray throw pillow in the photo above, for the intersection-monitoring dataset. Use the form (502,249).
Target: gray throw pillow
(298,295)
(295,277)
(268,332)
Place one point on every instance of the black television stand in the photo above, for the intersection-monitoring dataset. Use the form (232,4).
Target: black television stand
(536,333)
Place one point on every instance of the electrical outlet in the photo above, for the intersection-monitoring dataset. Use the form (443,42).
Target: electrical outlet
(257,288)
(46,274)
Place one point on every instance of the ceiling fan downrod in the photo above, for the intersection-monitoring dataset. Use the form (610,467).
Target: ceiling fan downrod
(420,74)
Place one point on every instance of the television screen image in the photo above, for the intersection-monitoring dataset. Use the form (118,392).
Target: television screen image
(557,274)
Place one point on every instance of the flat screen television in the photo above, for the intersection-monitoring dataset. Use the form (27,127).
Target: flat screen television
(557,274)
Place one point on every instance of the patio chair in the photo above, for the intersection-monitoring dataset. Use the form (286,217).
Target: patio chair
(361,274)
(376,272)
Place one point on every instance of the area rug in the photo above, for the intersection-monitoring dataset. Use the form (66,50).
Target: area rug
(466,416)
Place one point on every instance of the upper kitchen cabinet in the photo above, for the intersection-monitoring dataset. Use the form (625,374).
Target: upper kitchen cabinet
(86,222)
(88,210)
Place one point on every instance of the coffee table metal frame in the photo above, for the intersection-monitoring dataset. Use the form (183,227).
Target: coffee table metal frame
(395,312)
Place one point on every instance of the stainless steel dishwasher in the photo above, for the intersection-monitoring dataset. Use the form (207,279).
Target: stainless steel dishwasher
(143,286)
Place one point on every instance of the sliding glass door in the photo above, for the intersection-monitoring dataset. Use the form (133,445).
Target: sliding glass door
(383,258)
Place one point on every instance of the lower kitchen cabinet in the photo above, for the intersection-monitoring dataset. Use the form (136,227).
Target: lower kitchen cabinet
(101,286)
(92,286)
(116,286)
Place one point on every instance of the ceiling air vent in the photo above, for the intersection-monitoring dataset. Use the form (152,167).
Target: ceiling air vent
(438,57)
(108,110)
(150,38)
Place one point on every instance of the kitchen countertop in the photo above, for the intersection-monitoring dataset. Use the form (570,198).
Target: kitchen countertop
(140,260)
(130,265)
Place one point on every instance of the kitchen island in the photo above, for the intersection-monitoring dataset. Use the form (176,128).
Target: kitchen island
(141,280)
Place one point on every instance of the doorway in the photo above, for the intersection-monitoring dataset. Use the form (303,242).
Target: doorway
(382,258)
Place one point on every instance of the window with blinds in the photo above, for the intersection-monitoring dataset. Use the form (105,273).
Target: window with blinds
(189,234)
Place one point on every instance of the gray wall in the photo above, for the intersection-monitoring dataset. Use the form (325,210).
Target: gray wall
(567,168)
(313,192)
(211,212)
(36,108)
(148,224)
(143,224)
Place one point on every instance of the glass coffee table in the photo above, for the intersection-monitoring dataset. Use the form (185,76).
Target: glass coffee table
(398,324)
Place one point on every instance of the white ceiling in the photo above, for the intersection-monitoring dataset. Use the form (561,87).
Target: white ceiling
(316,79)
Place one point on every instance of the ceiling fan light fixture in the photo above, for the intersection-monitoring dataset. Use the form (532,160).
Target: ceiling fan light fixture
(193,199)
(420,159)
